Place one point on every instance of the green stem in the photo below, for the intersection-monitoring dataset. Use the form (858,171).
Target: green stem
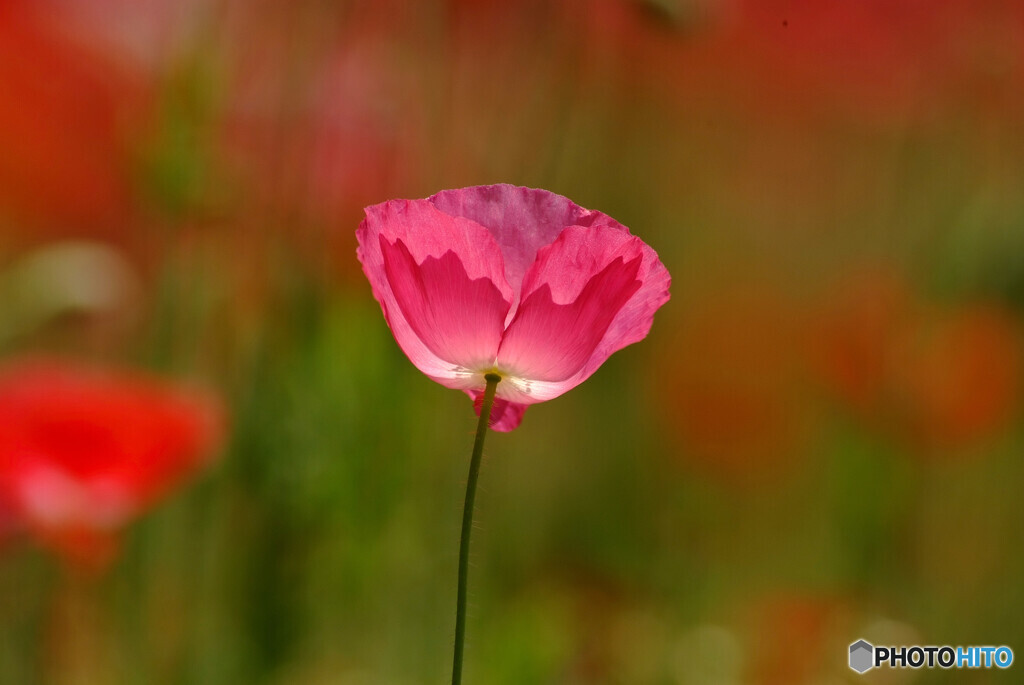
(467,523)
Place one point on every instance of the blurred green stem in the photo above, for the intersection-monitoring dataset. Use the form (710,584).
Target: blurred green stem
(467,523)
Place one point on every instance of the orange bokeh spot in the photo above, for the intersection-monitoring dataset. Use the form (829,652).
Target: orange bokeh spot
(850,337)
(956,378)
(934,377)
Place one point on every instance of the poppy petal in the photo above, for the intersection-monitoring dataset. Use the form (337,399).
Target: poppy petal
(552,342)
(440,282)
(522,220)
(458,319)
(583,286)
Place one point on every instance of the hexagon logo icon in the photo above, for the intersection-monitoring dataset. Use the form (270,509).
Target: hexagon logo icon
(861,656)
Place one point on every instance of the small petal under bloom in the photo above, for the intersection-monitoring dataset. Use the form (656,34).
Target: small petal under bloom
(83,451)
(508,280)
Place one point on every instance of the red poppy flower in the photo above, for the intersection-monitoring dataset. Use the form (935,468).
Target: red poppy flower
(83,452)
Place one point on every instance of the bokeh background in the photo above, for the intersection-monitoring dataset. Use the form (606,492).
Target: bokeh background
(819,441)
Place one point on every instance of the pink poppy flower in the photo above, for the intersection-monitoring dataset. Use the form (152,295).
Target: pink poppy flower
(508,280)
(83,452)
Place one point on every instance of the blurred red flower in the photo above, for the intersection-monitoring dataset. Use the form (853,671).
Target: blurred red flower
(83,451)
(67,116)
